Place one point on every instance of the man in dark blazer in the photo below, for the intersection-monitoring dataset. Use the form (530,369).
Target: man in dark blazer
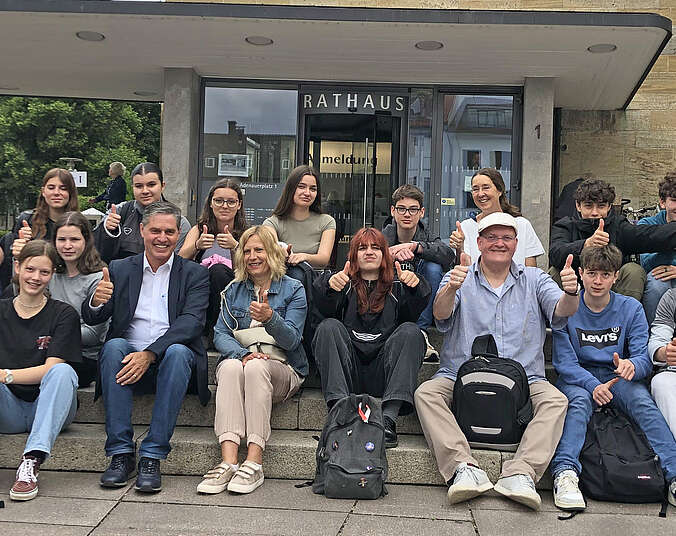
(157,301)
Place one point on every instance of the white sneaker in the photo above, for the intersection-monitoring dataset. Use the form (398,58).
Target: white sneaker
(567,494)
(468,482)
(672,492)
(248,477)
(519,488)
(431,354)
(216,480)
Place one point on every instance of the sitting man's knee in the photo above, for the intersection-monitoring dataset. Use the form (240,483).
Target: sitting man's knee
(178,353)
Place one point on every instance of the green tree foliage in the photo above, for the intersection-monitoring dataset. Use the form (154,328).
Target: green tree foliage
(36,132)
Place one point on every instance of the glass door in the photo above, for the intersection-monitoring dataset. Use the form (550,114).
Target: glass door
(355,156)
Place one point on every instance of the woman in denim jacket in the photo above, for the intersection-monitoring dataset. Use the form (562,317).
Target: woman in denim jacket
(250,380)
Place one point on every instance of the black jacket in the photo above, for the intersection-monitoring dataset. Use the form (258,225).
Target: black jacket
(369,331)
(115,192)
(188,299)
(569,235)
(432,249)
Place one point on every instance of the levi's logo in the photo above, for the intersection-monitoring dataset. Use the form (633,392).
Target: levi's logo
(599,338)
(43,342)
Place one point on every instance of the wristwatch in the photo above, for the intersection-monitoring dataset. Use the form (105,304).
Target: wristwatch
(576,293)
(9,377)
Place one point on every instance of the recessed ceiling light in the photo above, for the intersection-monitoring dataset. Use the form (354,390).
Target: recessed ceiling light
(429,45)
(602,48)
(142,93)
(86,35)
(258,40)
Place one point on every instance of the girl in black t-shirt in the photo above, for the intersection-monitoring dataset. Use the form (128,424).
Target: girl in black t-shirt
(37,387)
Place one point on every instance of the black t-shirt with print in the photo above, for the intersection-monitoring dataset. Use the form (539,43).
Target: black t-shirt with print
(28,342)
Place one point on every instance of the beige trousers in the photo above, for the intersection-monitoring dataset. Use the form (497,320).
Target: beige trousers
(449,445)
(245,395)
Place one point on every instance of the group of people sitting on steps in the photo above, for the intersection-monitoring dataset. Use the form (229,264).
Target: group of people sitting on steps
(148,291)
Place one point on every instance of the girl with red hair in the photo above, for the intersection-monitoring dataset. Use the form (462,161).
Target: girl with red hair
(369,342)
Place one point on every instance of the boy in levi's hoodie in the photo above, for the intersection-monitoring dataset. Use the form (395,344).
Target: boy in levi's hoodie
(601,356)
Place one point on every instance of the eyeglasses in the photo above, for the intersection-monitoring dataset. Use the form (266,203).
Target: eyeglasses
(411,210)
(231,203)
(492,238)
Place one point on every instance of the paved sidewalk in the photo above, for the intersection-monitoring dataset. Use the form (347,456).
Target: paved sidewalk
(74,504)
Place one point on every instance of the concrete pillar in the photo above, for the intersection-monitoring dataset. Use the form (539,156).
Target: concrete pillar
(180,138)
(536,175)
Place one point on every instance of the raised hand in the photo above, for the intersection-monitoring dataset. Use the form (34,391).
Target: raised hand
(25,231)
(407,277)
(338,280)
(600,238)
(261,311)
(459,272)
(226,240)
(113,219)
(104,290)
(457,239)
(18,245)
(602,394)
(568,277)
(624,368)
(205,240)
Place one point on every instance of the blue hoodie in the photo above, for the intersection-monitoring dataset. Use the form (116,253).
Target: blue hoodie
(663,258)
(590,339)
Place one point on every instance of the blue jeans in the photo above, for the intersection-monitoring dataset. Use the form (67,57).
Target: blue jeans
(634,400)
(170,379)
(652,293)
(45,417)
(433,273)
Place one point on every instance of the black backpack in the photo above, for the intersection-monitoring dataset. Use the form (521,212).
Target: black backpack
(491,398)
(351,461)
(618,463)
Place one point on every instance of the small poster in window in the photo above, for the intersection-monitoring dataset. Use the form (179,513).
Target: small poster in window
(234,165)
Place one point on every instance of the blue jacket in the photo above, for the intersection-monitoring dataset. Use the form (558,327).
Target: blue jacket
(188,299)
(289,305)
(663,258)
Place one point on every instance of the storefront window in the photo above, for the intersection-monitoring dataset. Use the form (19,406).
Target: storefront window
(419,172)
(477,133)
(249,134)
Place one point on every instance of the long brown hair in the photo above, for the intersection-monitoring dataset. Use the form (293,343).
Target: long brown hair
(207,218)
(375,301)
(499,183)
(90,260)
(285,203)
(41,212)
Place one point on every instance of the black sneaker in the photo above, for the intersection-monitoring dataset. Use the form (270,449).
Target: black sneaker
(149,478)
(391,439)
(122,467)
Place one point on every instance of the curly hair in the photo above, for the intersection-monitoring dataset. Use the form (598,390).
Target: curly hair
(375,301)
(667,186)
(594,191)
(276,258)
(90,260)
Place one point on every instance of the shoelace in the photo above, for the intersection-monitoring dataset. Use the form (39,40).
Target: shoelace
(466,471)
(566,483)
(149,465)
(26,471)
(527,481)
(118,462)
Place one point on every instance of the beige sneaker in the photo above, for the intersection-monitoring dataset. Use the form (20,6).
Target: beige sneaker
(216,480)
(247,478)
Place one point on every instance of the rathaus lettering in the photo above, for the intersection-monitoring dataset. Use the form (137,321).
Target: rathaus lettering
(352,101)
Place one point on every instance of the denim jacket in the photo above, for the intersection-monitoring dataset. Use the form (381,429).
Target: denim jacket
(287,300)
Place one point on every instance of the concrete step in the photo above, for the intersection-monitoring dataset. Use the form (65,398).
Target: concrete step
(289,454)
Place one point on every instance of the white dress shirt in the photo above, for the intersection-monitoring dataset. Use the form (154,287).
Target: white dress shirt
(151,318)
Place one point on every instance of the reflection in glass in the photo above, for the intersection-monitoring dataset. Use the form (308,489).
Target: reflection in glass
(419,159)
(477,133)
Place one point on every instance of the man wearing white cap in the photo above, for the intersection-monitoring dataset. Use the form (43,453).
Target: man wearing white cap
(512,302)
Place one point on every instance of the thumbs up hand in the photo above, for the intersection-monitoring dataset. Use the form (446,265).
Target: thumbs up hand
(459,272)
(18,245)
(338,280)
(624,368)
(407,277)
(602,394)
(600,238)
(226,240)
(25,231)
(457,239)
(568,277)
(113,219)
(260,310)
(104,290)
(205,240)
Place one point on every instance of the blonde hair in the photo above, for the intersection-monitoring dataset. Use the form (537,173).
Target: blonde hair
(276,257)
(118,168)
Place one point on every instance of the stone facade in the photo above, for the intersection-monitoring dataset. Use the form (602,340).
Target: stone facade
(630,148)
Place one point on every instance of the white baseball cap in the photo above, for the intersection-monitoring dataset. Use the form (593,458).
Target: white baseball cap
(498,218)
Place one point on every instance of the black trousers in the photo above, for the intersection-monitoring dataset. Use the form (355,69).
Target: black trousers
(392,374)
(219,277)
